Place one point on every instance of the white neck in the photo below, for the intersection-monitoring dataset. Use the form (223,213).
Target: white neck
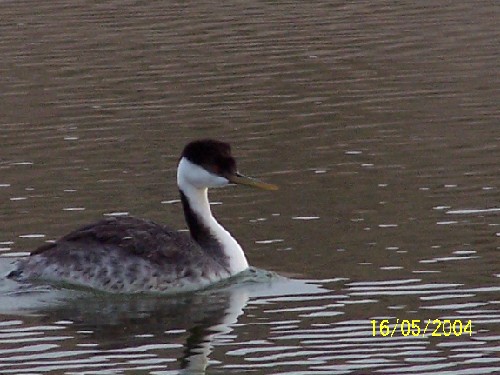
(199,204)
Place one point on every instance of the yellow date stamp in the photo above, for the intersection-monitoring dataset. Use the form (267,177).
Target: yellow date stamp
(421,328)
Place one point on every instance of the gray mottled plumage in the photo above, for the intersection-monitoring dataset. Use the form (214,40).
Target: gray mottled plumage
(124,254)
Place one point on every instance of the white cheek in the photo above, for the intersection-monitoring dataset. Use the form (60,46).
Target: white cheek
(192,174)
(213,181)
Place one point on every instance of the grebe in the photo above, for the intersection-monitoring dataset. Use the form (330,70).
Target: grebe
(124,254)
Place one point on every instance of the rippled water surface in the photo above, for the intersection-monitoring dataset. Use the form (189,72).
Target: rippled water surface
(379,121)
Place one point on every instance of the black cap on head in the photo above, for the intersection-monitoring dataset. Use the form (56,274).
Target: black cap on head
(214,156)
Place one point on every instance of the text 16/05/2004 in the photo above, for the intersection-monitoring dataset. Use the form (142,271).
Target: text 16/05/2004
(417,327)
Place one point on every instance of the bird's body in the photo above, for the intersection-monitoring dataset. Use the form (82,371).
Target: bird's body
(130,255)
(126,254)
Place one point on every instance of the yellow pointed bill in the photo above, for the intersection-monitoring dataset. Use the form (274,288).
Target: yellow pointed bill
(243,180)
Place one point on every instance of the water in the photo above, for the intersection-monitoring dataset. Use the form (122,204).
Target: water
(379,121)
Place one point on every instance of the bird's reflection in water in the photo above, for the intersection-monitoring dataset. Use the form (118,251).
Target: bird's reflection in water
(181,328)
(202,334)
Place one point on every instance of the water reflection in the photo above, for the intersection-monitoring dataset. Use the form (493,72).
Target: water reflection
(260,322)
(144,332)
